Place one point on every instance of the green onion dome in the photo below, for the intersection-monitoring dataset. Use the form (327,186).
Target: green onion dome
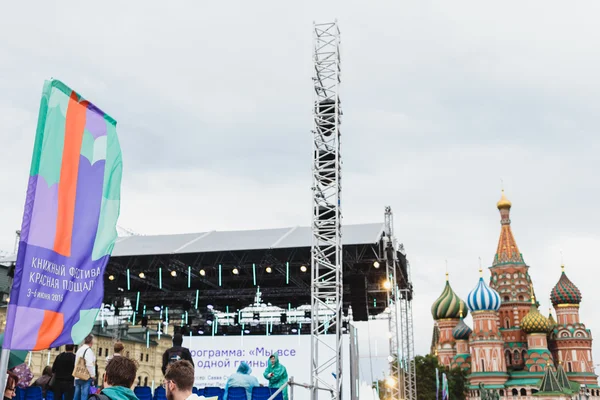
(565,291)
(448,305)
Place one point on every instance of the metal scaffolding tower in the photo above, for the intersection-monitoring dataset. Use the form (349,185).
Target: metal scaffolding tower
(402,381)
(326,251)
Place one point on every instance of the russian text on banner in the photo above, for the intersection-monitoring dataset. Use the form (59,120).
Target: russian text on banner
(69,223)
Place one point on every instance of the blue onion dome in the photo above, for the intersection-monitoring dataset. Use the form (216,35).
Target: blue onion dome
(448,305)
(461,331)
(483,298)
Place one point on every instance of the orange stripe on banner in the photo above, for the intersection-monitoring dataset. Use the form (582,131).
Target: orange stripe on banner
(51,328)
(67,186)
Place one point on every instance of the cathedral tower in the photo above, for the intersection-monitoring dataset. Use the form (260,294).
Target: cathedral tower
(486,345)
(571,341)
(446,312)
(510,278)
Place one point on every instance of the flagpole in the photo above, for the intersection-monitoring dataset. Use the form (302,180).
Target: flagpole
(3,368)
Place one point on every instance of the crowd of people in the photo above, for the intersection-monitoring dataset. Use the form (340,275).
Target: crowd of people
(73,376)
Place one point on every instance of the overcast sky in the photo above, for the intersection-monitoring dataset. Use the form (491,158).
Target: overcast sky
(441,101)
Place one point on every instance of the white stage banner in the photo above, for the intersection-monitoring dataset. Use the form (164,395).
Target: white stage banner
(217,357)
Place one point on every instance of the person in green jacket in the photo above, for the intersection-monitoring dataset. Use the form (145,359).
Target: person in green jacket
(276,374)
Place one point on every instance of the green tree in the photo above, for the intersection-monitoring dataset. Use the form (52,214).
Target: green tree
(425,367)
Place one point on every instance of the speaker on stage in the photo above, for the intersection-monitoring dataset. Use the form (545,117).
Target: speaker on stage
(358,297)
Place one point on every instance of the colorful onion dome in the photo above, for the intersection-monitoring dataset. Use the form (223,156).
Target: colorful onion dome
(461,331)
(551,320)
(483,298)
(448,305)
(565,291)
(534,322)
(503,202)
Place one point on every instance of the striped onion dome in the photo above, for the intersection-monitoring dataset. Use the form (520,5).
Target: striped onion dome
(448,305)
(483,298)
(534,322)
(461,331)
(565,292)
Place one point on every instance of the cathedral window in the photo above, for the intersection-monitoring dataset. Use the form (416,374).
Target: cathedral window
(482,365)
(507,323)
(523,392)
(569,367)
(515,392)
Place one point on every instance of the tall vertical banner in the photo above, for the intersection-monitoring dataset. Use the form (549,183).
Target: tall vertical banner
(69,223)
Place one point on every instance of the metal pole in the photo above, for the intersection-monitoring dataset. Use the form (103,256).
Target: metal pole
(3,368)
(326,249)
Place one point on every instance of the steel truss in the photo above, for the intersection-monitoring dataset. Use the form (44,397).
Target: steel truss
(402,384)
(326,250)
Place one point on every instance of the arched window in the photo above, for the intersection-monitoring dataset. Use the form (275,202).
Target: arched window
(520,298)
(506,298)
(523,392)
(508,358)
(534,391)
(482,365)
(515,392)
(146,381)
(139,381)
(507,323)
(517,356)
(501,392)
(569,367)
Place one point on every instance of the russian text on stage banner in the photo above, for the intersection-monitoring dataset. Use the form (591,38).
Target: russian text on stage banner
(69,223)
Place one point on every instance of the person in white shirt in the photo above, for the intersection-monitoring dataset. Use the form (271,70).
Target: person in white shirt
(82,387)
(179,381)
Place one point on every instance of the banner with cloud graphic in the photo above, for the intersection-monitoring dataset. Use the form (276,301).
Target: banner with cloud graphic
(69,223)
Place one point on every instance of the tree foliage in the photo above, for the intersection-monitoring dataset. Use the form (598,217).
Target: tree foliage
(425,369)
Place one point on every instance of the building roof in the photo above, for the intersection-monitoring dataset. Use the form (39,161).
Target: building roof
(507,251)
(215,241)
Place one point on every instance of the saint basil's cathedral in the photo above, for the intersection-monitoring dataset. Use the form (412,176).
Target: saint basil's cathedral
(513,351)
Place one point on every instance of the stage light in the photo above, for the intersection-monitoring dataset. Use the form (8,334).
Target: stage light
(247,331)
(202,272)
(294,330)
(387,309)
(269,270)
(387,284)
(142,275)
(389,335)
(210,306)
(120,289)
(236,271)
(209,322)
(173,273)
(111,277)
(156,308)
(390,381)
(200,332)
(303,268)
(390,359)
(376,264)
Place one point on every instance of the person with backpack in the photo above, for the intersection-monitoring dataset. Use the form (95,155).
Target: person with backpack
(63,374)
(176,353)
(85,368)
(118,379)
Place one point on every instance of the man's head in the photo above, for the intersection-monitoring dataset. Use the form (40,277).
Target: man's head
(69,348)
(89,340)
(120,371)
(118,348)
(179,380)
(177,339)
